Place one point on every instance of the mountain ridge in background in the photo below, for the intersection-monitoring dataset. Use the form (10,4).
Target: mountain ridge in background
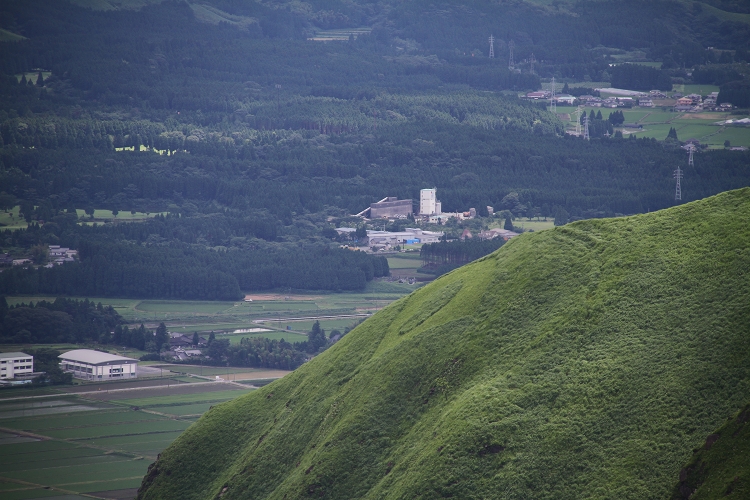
(584,361)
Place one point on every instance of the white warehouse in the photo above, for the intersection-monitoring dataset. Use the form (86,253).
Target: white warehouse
(95,365)
(15,364)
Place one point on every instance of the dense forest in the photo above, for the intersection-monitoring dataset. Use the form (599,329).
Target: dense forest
(63,320)
(257,142)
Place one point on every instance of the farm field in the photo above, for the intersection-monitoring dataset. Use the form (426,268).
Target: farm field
(656,124)
(533,225)
(95,444)
(695,89)
(217,316)
(287,336)
(12,219)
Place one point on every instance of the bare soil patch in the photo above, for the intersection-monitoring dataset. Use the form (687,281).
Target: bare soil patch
(260,375)
(276,296)
(703,116)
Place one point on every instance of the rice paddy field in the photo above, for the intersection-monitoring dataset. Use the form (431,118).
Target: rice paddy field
(657,122)
(99,441)
(272,311)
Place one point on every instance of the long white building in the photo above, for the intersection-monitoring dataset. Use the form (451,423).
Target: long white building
(15,364)
(95,365)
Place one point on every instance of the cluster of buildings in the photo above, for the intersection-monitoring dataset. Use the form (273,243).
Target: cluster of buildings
(430,209)
(86,364)
(694,103)
(57,255)
(620,98)
(181,347)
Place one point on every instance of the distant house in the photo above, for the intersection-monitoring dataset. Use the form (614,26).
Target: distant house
(565,99)
(497,233)
(537,95)
(683,104)
(645,103)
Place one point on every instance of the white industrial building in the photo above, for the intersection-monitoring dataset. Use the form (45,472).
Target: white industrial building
(406,237)
(15,365)
(428,202)
(95,365)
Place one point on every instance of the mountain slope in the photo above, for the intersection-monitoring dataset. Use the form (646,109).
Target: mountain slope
(720,468)
(581,362)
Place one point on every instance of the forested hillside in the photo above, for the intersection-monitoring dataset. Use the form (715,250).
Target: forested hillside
(584,361)
(258,140)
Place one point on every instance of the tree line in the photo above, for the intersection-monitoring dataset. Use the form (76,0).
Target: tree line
(444,256)
(61,321)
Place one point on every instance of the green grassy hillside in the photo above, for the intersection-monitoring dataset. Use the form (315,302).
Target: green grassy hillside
(585,361)
(721,467)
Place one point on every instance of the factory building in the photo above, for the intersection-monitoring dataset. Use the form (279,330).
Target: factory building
(428,202)
(95,365)
(391,207)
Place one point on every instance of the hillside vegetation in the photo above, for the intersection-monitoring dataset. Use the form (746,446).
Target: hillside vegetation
(586,361)
(720,468)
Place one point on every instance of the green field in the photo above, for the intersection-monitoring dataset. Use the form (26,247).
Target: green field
(695,89)
(533,225)
(11,219)
(101,215)
(287,336)
(106,448)
(206,316)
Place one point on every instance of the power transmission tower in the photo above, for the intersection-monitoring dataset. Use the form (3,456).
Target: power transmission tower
(586,127)
(678,189)
(552,101)
(578,121)
(532,61)
(492,46)
(691,149)
(511,63)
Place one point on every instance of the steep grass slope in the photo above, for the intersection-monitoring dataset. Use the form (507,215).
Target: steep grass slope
(585,361)
(721,467)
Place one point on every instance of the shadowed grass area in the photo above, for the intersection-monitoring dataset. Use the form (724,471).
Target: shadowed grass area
(721,467)
(585,361)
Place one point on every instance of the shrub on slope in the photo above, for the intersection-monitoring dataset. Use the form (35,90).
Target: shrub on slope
(586,361)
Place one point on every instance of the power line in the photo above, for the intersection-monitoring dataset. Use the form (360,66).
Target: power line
(586,126)
(553,102)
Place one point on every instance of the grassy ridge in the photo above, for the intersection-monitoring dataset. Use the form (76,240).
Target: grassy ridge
(586,361)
